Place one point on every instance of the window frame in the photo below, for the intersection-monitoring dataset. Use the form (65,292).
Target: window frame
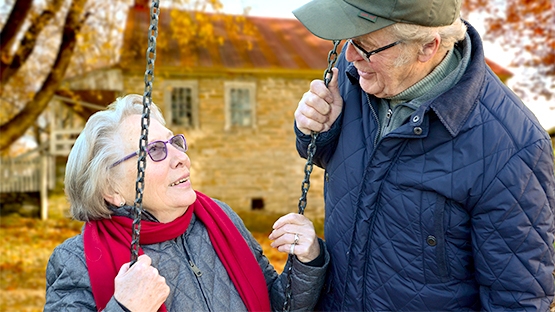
(169,86)
(251,87)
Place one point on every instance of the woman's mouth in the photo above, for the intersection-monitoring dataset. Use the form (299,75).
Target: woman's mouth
(179,181)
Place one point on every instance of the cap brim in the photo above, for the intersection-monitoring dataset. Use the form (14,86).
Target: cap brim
(337,20)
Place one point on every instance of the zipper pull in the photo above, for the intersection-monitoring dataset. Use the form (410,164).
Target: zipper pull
(388,115)
(195,268)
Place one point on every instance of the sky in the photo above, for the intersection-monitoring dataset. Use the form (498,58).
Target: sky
(283,8)
(275,8)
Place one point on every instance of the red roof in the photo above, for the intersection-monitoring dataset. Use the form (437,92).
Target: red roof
(270,43)
(499,70)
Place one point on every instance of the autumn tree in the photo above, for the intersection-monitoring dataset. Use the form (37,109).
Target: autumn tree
(44,42)
(527,28)
(38,43)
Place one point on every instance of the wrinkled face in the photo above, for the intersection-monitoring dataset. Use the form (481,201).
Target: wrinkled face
(167,189)
(381,76)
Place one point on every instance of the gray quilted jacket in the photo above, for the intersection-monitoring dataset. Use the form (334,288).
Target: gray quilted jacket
(204,286)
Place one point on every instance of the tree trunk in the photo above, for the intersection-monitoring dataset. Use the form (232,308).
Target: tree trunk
(10,65)
(16,127)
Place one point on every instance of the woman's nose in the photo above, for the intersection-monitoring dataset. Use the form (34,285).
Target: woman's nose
(178,157)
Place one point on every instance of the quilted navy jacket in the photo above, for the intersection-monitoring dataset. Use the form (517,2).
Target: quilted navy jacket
(451,211)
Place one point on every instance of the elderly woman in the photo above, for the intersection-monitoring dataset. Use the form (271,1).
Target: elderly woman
(196,254)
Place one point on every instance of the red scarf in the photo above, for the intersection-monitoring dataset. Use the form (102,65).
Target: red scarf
(107,248)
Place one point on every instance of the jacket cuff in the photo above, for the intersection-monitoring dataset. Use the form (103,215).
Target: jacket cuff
(321,262)
(321,259)
(323,137)
(114,306)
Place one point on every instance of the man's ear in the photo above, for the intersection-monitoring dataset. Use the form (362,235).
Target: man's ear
(429,50)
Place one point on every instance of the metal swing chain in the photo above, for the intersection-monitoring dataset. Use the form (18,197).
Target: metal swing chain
(145,122)
(311,150)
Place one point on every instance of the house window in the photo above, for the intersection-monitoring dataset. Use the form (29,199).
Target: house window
(240,104)
(182,107)
(181,99)
(241,113)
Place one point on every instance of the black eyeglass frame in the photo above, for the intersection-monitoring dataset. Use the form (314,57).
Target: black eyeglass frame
(366,55)
(152,143)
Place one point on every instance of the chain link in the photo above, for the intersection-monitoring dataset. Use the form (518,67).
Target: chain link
(328,74)
(145,122)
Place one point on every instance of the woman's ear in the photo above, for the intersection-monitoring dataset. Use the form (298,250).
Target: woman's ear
(429,50)
(115,199)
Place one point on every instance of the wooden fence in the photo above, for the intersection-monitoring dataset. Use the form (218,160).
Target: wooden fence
(27,173)
(20,175)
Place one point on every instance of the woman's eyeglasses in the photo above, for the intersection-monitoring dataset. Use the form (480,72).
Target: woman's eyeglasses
(158,150)
(365,54)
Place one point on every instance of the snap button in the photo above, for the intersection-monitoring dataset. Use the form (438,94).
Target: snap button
(417,130)
(431,240)
(327,177)
(415,119)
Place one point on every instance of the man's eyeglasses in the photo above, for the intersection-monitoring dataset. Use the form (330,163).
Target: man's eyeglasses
(158,150)
(365,54)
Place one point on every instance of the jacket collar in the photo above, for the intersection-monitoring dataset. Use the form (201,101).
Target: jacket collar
(466,91)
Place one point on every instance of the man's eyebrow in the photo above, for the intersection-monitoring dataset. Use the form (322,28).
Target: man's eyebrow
(366,42)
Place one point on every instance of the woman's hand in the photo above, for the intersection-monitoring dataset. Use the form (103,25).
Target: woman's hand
(320,106)
(141,287)
(294,234)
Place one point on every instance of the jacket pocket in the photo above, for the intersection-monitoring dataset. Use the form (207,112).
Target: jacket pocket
(435,249)
(439,230)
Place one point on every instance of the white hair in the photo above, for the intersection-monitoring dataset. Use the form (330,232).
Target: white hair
(416,36)
(89,174)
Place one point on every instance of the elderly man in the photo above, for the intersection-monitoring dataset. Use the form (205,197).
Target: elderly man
(439,182)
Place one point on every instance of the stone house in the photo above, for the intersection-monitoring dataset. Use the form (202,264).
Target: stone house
(234,103)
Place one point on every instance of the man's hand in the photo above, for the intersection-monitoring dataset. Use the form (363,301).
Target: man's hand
(320,106)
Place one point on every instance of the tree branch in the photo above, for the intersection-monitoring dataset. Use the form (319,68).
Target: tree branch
(27,45)
(16,127)
(13,26)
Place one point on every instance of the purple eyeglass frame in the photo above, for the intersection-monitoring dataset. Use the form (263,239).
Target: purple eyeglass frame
(148,151)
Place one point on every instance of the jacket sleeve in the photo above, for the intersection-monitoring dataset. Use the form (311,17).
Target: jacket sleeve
(513,233)
(68,286)
(306,284)
(307,281)
(325,143)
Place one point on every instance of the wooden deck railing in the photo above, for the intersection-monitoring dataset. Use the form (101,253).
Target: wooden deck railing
(20,175)
(27,173)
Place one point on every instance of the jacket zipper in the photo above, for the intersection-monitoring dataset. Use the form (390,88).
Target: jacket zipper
(195,268)
(376,118)
(388,115)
